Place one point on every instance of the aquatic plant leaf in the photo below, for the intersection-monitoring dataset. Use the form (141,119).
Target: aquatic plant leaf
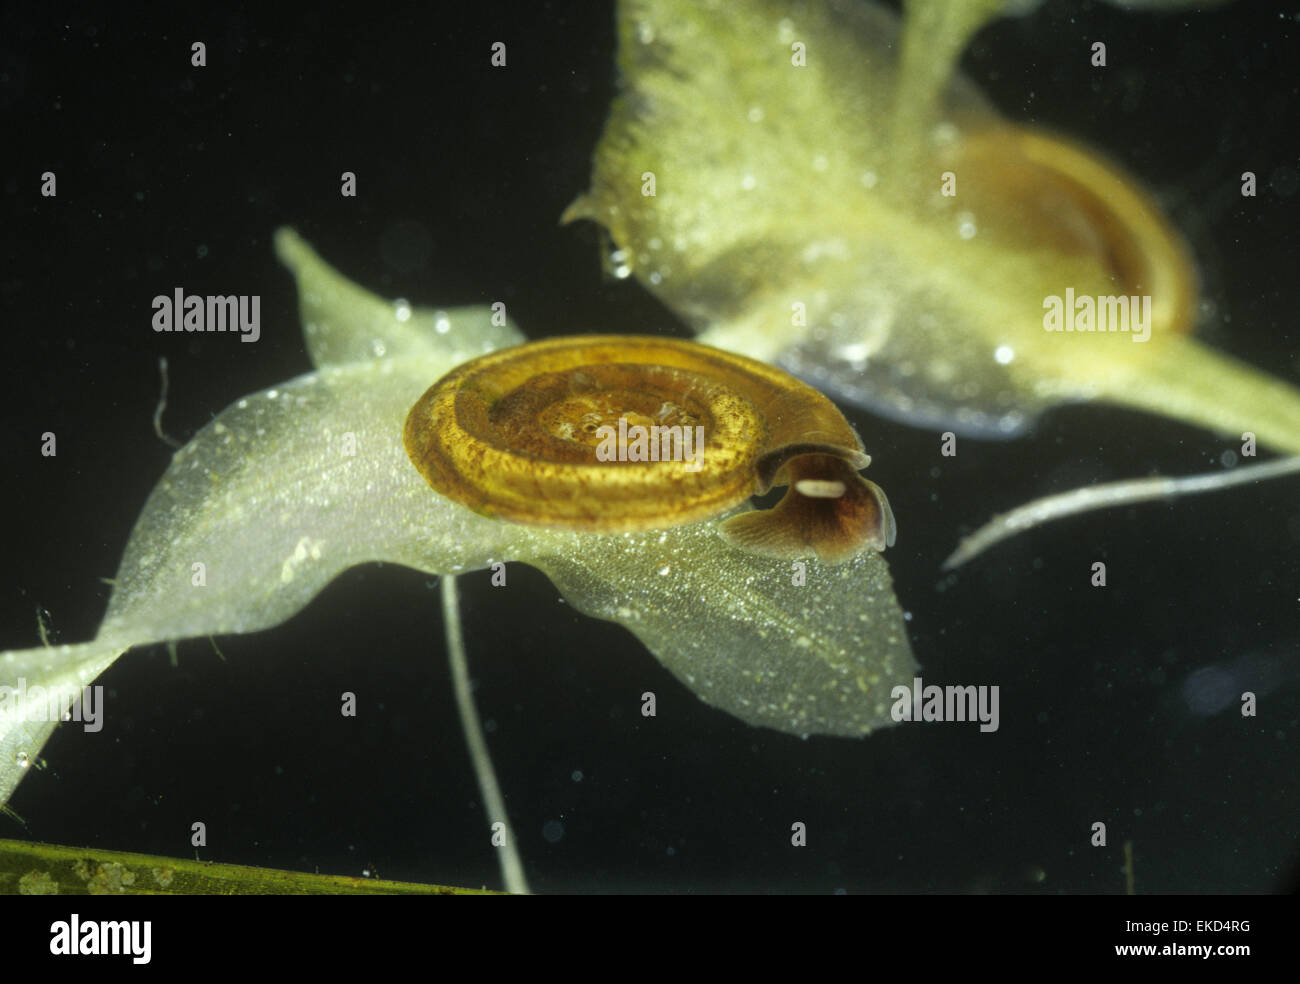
(779,178)
(53,869)
(290,486)
(344,323)
(820,658)
(44,683)
(272,499)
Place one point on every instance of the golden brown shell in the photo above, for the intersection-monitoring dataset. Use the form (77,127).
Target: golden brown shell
(518,435)
(1047,192)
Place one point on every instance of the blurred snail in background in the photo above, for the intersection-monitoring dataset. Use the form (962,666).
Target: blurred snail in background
(609,434)
(867,220)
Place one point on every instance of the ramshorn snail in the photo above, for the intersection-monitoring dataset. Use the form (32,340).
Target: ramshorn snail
(613,433)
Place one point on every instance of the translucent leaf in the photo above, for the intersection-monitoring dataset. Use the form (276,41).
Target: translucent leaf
(816,659)
(343,323)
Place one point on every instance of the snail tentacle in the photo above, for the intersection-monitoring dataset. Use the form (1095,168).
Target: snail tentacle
(811,519)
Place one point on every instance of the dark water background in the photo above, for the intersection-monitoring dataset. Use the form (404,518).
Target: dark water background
(172,176)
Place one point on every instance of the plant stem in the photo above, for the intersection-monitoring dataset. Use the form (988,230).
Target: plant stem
(512,866)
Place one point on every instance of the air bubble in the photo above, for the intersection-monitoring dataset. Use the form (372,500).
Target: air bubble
(619,267)
(552,831)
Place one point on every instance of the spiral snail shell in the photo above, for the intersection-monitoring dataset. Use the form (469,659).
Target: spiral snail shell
(616,433)
(1042,192)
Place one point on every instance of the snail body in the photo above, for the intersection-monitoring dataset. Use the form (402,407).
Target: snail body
(608,434)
